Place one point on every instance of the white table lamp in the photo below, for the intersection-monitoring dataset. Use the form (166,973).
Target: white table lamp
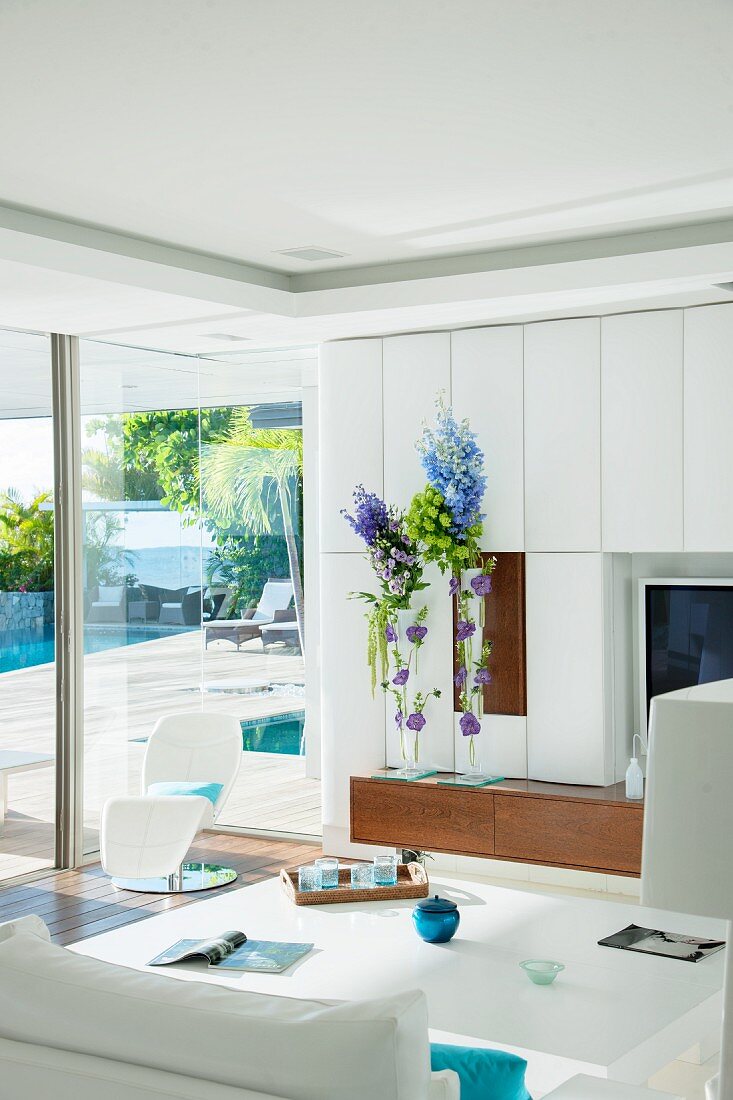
(687,864)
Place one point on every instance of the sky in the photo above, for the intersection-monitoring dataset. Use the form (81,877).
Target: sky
(26,456)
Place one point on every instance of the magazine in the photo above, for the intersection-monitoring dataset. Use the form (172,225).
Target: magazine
(669,945)
(213,950)
(233,951)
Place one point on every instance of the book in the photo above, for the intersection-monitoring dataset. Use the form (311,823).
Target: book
(233,951)
(669,945)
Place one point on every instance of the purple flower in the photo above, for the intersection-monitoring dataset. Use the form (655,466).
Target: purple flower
(416,633)
(416,722)
(398,719)
(401,678)
(395,587)
(481,584)
(453,586)
(465,630)
(460,677)
(469,724)
(389,633)
(406,540)
(483,676)
(371,517)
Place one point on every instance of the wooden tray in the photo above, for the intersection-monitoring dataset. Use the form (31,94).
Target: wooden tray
(412,882)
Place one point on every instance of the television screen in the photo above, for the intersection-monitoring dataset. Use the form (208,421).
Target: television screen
(689,636)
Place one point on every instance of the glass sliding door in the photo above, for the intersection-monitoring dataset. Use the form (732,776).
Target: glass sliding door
(27,647)
(253,658)
(193,571)
(142,560)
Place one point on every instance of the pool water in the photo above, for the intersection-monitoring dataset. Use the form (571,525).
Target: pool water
(26,648)
(279,733)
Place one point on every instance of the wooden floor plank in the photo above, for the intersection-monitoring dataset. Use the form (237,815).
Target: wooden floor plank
(78,904)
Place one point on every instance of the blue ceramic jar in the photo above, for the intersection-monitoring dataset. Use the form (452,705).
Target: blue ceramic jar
(436,919)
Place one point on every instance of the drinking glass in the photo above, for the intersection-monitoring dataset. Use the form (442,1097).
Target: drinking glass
(309,878)
(385,870)
(329,872)
(362,876)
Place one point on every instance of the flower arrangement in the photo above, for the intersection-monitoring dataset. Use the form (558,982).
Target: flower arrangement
(394,557)
(445,521)
(408,717)
(445,518)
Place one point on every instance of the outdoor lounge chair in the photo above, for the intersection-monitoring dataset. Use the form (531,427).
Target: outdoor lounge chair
(109,605)
(181,608)
(276,596)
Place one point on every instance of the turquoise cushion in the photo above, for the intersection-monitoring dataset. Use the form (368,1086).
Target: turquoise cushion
(485,1074)
(208,790)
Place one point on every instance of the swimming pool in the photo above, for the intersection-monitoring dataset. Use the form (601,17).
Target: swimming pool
(278,733)
(26,648)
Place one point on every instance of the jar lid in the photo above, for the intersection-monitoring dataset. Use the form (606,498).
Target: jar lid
(436,905)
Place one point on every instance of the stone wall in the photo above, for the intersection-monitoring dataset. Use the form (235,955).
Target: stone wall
(25,610)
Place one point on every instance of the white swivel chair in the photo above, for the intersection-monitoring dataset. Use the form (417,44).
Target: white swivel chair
(145,838)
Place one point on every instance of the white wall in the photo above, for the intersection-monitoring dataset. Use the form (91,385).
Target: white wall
(605,438)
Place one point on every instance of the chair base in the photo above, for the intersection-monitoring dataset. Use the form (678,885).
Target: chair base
(188,878)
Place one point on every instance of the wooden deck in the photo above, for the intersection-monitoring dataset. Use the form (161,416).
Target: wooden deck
(78,904)
(126,690)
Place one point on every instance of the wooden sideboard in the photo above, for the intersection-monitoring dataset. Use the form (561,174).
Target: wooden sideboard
(585,828)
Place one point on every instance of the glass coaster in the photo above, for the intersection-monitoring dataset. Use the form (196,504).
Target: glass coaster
(478,780)
(407,775)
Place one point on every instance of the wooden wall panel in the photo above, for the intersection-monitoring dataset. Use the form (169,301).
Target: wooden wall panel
(505,626)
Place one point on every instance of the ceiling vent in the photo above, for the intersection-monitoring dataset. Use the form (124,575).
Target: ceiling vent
(311,253)
(226,336)
(725,286)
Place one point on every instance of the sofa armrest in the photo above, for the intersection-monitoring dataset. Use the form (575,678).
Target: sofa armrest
(445,1085)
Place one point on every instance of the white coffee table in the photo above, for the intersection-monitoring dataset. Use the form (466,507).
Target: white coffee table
(610,1014)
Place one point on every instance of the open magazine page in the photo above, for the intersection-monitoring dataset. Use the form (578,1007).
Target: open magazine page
(213,950)
(264,956)
(670,945)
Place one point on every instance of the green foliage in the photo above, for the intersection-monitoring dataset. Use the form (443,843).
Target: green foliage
(428,523)
(26,543)
(245,562)
(105,561)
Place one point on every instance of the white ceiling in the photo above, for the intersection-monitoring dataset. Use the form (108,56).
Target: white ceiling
(389,131)
(447,148)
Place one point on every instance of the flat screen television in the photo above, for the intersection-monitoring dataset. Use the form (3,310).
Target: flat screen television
(686,635)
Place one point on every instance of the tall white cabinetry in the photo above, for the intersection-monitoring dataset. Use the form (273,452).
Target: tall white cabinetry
(562,435)
(488,388)
(709,428)
(569,714)
(416,370)
(642,418)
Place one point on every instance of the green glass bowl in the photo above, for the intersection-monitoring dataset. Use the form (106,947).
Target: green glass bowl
(541,971)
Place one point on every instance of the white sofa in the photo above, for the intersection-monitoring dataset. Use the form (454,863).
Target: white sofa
(73,1028)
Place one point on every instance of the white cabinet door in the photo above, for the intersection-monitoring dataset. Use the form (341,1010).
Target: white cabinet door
(568,734)
(488,388)
(709,428)
(350,419)
(562,435)
(641,427)
(416,370)
(352,720)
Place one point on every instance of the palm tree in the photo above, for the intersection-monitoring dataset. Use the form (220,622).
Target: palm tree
(244,475)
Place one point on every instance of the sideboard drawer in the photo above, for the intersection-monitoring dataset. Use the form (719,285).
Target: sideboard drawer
(567,833)
(413,815)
